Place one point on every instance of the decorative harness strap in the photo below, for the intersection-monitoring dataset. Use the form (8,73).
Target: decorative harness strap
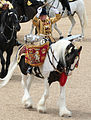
(55,60)
(2,33)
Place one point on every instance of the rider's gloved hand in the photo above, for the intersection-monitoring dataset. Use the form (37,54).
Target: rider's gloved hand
(55,10)
(39,10)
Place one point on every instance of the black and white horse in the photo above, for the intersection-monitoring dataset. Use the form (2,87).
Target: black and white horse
(62,56)
(8,34)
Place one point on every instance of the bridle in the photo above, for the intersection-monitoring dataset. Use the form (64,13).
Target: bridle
(11,29)
(76,64)
(63,69)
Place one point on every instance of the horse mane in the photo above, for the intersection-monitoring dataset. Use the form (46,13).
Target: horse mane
(60,48)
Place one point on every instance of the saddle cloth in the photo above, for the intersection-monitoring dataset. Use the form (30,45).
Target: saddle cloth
(34,54)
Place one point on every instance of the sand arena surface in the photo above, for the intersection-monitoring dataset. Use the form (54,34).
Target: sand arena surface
(78,88)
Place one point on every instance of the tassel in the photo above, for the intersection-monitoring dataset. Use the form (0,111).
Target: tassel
(63,79)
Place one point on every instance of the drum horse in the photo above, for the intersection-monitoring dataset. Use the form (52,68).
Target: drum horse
(61,58)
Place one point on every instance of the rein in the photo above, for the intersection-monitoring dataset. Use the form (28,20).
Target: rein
(56,61)
(11,29)
(63,69)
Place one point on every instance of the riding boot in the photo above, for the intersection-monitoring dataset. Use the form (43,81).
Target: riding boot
(69,13)
(65,4)
(18,43)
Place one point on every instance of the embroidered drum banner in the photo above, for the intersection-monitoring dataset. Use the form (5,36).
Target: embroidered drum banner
(35,55)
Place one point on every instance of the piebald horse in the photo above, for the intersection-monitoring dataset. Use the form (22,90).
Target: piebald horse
(62,57)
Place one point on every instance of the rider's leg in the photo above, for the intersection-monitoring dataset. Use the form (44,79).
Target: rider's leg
(65,4)
(25,18)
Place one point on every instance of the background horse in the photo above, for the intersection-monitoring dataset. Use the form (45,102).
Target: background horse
(30,11)
(8,35)
(77,6)
(62,57)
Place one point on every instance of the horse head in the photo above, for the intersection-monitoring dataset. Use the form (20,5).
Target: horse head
(9,20)
(72,58)
(67,56)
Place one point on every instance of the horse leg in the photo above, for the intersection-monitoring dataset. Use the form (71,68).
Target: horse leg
(41,105)
(82,24)
(3,64)
(9,53)
(56,28)
(62,108)
(72,24)
(26,82)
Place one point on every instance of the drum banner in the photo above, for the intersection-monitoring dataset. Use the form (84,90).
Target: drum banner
(35,55)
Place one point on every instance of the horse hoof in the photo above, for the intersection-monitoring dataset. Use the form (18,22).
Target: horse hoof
(65,112)
(61,37)
(28,106)
(41,109)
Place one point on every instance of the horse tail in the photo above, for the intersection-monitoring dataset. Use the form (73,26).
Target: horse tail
(12,67)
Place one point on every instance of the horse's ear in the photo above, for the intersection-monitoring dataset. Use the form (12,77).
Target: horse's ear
(80,48)
(72,50)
